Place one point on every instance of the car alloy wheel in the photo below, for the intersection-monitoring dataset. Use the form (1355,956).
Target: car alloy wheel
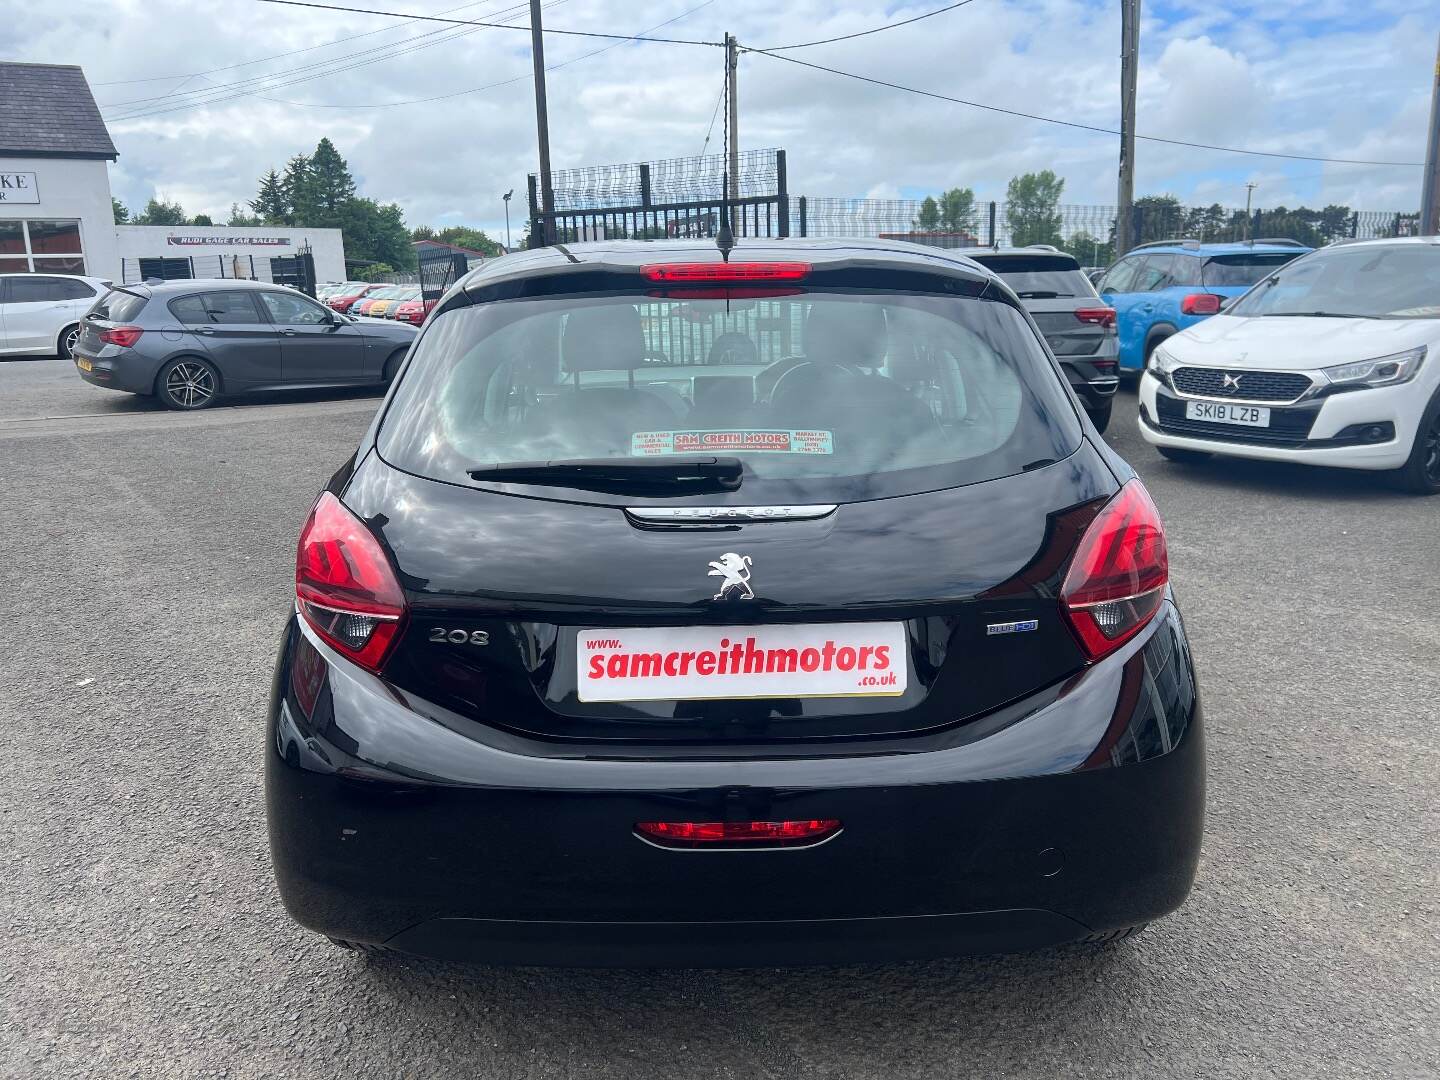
(1430,449)
(190,385)
(69,341)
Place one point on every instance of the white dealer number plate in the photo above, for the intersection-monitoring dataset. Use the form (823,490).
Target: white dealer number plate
(1224,413)
(693,663)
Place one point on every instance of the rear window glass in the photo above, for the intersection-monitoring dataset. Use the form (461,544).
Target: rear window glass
(1037,277)
(116,306)
(1242,270)
(827,396)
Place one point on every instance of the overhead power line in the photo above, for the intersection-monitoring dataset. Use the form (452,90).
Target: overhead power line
(476,22)
(866,33)
(262,92)
(272,56)
(1074,124)
(397,47)
(259,86)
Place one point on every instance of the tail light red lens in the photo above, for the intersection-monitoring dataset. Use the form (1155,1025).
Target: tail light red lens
(715,273)
(1117,579)
(124,336)
(1100,316)
(1202,303)
(345,587)
(698,834)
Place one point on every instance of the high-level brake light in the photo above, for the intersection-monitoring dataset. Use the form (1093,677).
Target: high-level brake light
(344,585)
(708,273)
(1117,579)
(701,834)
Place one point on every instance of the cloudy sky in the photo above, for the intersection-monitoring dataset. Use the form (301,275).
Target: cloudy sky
(200,102)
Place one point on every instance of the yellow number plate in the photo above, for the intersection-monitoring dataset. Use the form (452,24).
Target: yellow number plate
(83,364)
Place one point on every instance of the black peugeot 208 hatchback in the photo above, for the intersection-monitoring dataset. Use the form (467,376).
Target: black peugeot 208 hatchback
(784,609)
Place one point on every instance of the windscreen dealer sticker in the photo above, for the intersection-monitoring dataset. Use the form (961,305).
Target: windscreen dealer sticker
(769,441)
(693,663)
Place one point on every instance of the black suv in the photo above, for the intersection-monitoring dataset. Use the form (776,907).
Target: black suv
(1077,324)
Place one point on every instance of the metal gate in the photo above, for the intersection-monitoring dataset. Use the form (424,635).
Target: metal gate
(297,271)
(658,199)
(439,269)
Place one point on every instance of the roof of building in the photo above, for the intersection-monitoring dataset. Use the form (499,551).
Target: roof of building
(50,112)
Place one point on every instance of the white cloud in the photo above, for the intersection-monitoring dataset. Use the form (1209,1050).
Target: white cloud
(1314,77)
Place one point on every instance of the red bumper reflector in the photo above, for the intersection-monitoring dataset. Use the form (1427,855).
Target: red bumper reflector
(690,834)
(708,273)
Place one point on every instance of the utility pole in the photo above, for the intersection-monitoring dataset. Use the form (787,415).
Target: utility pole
(1129,63)
(732,65)
(506,198)
(1249,228)
(542,126)
(1430,192)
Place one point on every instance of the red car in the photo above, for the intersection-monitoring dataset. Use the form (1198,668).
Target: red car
(414,311)
(343,299)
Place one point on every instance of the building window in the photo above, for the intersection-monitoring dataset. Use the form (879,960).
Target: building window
(41,247)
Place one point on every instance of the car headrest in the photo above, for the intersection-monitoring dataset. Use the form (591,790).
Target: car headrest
(848,332)
(604,338)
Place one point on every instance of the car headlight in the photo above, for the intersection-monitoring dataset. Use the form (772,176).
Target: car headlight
(1162,361)
(1382,371)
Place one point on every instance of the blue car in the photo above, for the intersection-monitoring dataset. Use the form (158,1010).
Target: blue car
(1161,288)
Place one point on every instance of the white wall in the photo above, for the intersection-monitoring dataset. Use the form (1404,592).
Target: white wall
(71,189)
(209,243)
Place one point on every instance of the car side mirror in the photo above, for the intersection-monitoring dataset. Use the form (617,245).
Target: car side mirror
(1226,301)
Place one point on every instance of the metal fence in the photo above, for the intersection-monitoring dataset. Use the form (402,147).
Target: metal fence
(1088,232)
(657,199)
(297,271)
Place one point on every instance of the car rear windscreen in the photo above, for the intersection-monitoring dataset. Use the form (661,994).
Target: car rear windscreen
(1041,277)
(118,306)
(826,396)
(1247,269)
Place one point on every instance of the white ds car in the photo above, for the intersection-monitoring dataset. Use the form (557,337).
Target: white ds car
(1332,360)
(40,313)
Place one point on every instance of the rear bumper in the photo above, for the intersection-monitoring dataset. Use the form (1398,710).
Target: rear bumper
(1094,385)
(431,836)
(120,370)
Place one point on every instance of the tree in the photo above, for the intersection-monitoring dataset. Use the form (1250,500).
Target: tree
(1032,208)
(1159,217)
(953,212)
(201,219)
(928,220)
(476,240)
(295,184)
(375,233)
(422,232)
(120,211)
(328,187)
(271,202)
(239,218)
(1089,250)
(957,210)
(160,212)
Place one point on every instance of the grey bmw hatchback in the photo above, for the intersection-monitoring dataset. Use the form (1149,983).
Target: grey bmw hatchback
(187,343)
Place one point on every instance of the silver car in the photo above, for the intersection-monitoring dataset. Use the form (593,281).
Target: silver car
(190,342)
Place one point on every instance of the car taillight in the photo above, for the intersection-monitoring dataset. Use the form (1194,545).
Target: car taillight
(1117,579)
(694,834)
(1099,316)
(713,273)
(124,336)
(345,587)
(1201,303)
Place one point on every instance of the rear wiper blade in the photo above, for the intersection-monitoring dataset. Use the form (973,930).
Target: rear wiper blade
(660,474)
(1042,294)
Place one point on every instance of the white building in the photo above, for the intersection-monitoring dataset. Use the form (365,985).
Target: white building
(55,207)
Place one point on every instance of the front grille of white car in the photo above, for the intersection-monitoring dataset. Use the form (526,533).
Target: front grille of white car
(1282,387)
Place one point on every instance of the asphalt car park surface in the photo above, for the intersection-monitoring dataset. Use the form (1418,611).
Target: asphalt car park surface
(148,560)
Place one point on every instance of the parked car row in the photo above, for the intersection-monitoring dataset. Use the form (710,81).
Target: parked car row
(376,300)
